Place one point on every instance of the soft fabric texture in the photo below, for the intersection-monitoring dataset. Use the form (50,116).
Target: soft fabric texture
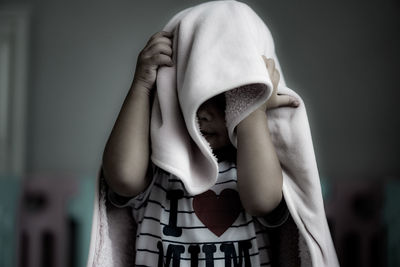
(239,100)
(217,47)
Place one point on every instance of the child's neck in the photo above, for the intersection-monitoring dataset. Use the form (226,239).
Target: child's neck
(227,153)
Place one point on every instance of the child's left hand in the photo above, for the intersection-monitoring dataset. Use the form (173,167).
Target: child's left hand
(276,100)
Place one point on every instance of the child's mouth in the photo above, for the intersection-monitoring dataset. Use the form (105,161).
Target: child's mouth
(207,134)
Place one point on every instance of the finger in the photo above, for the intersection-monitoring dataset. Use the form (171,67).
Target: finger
(286,101)
(159,48)
(270,64)
(267,64)
(161,59)
(161,39)
(276,76)
(271,71)
(265,59)
(160,34)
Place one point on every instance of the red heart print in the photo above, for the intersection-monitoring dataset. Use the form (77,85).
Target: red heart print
(217,213)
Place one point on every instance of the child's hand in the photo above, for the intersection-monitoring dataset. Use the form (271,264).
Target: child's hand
(157,52)
(277,100)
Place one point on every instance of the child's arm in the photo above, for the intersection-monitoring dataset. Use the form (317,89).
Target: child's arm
(258,167)
(126,154)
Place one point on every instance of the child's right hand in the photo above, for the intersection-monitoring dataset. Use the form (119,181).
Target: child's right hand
(157,52)
(277,100)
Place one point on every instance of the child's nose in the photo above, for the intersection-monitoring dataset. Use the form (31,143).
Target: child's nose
(204,115)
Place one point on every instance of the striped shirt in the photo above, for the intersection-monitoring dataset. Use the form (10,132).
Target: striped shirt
(175,228)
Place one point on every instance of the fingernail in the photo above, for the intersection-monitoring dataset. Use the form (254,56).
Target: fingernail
(296,103)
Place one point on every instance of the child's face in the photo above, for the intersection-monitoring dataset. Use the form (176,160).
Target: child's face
(211,117)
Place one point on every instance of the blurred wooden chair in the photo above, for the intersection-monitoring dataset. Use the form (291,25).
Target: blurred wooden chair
(44,230)
(355,214)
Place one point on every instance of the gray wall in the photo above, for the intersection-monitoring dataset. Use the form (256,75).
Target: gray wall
(340,56)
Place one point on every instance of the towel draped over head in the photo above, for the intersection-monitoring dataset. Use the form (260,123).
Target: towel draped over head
(217,47)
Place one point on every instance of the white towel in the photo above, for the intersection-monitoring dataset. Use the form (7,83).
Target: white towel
(217,46)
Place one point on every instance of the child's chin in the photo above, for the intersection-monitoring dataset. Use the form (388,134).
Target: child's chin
(225,152)
(212,141)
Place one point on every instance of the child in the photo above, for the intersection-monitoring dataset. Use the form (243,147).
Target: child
(208,177)
(210,229)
